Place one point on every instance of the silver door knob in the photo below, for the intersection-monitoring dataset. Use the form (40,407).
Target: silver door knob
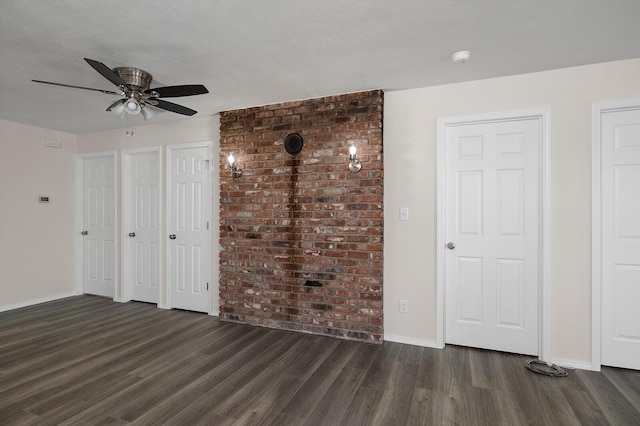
(84,233)
(451,246)
(172,236)
(132,234)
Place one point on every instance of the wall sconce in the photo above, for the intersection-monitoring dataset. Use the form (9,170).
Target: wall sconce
(354,165)
(235,171)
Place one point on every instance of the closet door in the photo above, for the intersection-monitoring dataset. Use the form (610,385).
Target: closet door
(99,268)
(141,227)
(620,250)
(189,204)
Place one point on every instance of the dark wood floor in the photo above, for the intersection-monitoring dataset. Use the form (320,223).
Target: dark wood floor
(86,360)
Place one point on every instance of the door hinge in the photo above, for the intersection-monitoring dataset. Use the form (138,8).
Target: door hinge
(207,286)
(207,225)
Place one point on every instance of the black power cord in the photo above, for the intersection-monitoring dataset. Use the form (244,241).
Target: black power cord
(541,367)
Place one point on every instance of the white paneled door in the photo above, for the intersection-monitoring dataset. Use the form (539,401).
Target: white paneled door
(620,251)
(142,227)
(99,267)
(189,227)
(492,221)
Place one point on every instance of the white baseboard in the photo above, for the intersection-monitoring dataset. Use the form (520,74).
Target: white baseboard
(215,313)
(573,364)
(36,301)
(565,363)
(411,341)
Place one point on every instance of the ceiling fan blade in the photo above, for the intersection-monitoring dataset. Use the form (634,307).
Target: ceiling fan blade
(108,92)
(177,91)
(106,72)
(115,104)
(170,106)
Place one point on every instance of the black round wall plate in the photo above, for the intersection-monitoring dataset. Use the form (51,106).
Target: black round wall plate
(293,143)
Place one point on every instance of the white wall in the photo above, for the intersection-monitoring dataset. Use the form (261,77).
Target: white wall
(410,181)
(36,253)
(159,135)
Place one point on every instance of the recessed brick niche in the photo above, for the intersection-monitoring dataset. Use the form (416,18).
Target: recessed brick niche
(301,235)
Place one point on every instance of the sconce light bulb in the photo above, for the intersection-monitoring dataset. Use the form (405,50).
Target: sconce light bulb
(231,159)
(354,165)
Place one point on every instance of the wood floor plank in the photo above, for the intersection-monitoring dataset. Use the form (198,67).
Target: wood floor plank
(93,369)
(322,377)
(76,381)
(231,369)
(17,416)
(126,405)
(265,402)
(87,361)
(397,396)
(382,366)
(73,356)
(286,388)
(400,388)
(273,376)
(363,406)
(616,408)
(428,407)
(626,382)
(205,334)
(334,404)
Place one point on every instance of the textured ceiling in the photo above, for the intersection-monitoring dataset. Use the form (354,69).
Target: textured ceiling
(255,52)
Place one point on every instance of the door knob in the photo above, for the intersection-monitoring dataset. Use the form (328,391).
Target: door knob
(132,234)
(84,233)
(172,236)
(451,246)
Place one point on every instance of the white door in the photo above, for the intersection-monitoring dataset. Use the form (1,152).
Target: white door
(99,227)
(620,209)
(189,228)
(492,226)
(142,259)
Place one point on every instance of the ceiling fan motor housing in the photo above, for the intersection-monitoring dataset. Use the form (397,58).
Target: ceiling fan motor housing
(136,77)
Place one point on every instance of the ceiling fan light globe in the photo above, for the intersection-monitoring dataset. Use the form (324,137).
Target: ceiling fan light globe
(147,113)
(119,109)
(132,107)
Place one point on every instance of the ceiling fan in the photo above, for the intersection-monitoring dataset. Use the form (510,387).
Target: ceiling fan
(137,96)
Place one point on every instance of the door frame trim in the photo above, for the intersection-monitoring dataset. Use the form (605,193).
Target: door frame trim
(79,220)
(597,109)
(213,288)
(125,158)
(543,115)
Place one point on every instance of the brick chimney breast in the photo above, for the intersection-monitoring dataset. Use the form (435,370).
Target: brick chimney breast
(301,235)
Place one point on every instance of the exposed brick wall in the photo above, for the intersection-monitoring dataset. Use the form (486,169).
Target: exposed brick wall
(294,220)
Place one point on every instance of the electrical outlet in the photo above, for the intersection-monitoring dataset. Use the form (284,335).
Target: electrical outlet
(404,306)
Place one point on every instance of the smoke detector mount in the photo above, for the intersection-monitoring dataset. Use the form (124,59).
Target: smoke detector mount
(461,56)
